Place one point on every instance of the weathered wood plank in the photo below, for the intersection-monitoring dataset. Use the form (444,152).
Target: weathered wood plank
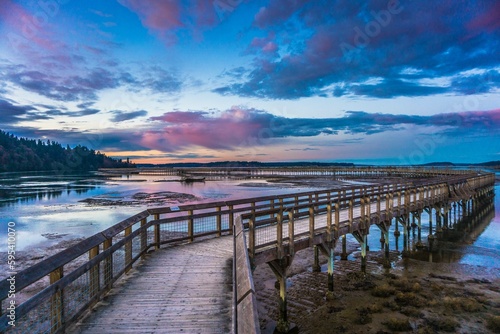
(185,288)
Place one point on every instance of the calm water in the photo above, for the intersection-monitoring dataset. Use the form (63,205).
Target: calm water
(46,209)
(483,249)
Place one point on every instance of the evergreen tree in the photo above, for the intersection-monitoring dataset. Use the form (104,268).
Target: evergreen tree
(24,154)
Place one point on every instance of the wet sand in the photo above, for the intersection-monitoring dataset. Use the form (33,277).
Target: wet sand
(411,297)
(164,198)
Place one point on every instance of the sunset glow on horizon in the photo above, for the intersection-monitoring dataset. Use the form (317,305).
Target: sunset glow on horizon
(382,81)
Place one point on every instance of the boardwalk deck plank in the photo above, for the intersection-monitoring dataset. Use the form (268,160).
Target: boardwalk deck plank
(186,289)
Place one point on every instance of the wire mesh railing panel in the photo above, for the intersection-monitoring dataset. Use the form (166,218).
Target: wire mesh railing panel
(225,222)
(77,295)
(136,246)
(174,230)
(204,225)
(265,234)
(151,235)
(118,261)
(38,320)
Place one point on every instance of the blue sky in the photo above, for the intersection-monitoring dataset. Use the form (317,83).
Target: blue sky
(396,82)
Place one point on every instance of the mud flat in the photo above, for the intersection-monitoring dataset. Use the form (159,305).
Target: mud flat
(411,297)
(140,198)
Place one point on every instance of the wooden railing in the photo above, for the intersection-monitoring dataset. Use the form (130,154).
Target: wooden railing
(245,317)
(80,275)
(273,232)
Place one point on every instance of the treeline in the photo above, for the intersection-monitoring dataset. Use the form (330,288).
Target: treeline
(23,154)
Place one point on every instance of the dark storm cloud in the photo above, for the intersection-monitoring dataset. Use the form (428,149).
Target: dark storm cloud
(345,43)
(86,87)
(120,116)
(111,140)
(11,113)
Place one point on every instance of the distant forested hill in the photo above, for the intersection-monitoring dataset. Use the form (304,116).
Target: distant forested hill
(22,154)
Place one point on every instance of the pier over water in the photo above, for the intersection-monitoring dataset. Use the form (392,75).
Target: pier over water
(189,268)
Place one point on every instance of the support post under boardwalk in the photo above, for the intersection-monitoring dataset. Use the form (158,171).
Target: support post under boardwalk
(343,256)
(430,221)
(316,267)
(280,268)
(331,258)
(387,262)
(384,231)
(446,216)
(382,239)
(363,254)
(439,229)
(361,238)
(419,226)
(405,239)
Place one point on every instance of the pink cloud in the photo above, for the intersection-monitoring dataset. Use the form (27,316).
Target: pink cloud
(160,16)
(262,44)
(227,130)
(488,20)
(168,16)
(181,117)
(25,27)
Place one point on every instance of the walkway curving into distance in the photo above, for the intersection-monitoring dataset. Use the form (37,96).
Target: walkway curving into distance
(180,289)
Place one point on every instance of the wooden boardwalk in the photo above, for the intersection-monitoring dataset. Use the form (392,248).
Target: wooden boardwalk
(179,289)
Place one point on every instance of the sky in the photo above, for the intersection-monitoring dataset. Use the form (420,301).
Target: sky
(382,82)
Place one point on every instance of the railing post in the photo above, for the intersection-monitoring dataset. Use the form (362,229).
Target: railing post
(407,196)
(329,220)
(94,273)
(378,206)
(128,250)
(219,221)
(388,206)
(368,211)
(190,226)
(351,214)
(144,238)
(56,303)
(251,238)
(311,223)
(362,203)
(271,207)
(279,234)
(231,219)
(291,233)
(157,232)
(337,220)
(108,265)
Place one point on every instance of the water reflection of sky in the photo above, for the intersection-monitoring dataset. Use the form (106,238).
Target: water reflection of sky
(488,241)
